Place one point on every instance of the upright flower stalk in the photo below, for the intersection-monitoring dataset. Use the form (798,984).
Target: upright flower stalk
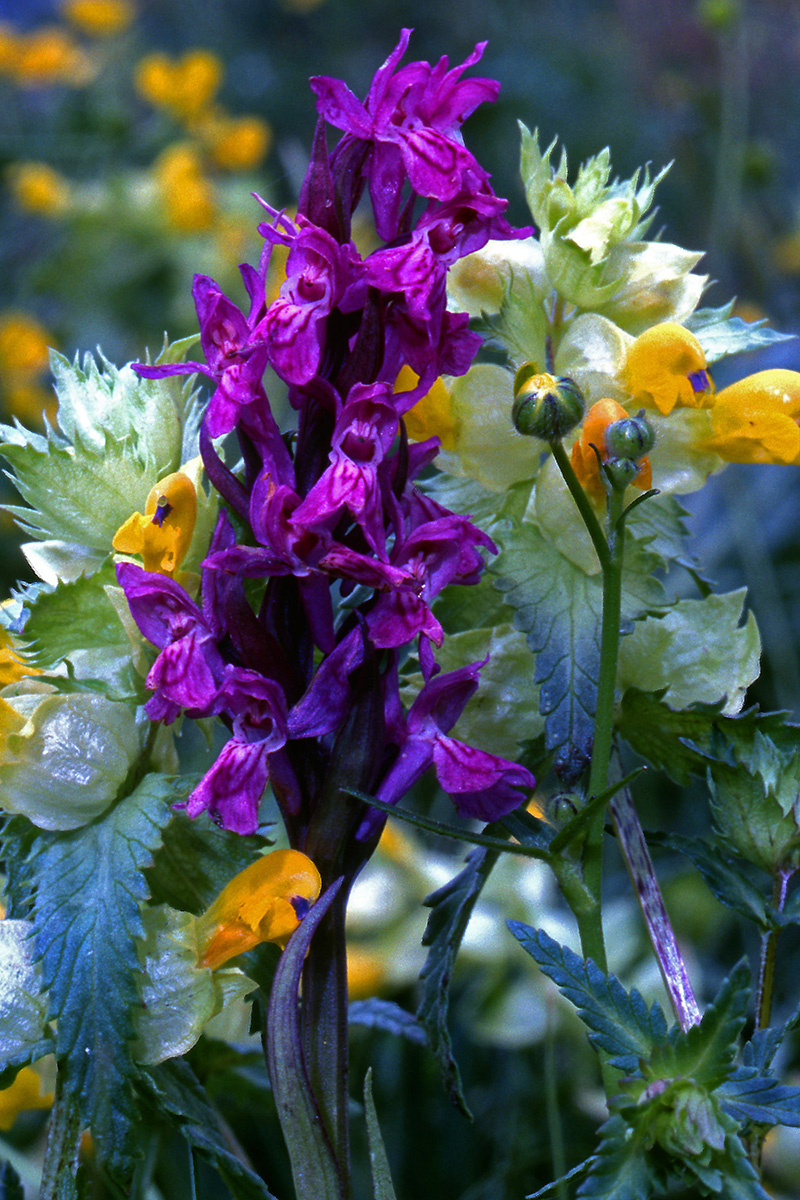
(343,553)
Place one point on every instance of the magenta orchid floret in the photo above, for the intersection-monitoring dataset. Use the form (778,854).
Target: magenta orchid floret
(304,620)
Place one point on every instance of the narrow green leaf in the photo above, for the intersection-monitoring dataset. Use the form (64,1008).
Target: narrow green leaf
(762,1099)
(721,334)
(88,886)
(314,1166)
(172,1090)
(620,1023)
(726,879)
(382,1187)
(451,908)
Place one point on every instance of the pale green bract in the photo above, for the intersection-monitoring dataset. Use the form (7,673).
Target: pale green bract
(24,1030)
(117,435)
(698,650)
(179,998)
(68,762)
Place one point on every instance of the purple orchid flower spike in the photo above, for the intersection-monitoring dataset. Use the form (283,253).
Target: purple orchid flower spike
(412,119)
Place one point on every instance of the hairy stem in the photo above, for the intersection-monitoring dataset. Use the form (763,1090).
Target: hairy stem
(63,1145)
(659,929)
(769,952)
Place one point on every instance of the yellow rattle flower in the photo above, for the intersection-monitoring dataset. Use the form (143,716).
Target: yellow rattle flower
(162,535)
(755,420)
(263,903)
(665,367)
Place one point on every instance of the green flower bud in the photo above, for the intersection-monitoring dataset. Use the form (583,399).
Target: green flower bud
(632,437)
(545,406)
(620,472)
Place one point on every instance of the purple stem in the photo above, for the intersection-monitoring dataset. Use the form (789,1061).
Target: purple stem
(659,930)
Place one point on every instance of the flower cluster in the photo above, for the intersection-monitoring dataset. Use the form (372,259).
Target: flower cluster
(300,628)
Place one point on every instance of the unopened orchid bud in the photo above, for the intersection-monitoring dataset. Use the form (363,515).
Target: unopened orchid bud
(545,406)
(632,437)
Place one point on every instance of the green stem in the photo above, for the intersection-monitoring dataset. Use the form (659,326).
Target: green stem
(606,691)
(583,503)
(63,1145)
(769,952)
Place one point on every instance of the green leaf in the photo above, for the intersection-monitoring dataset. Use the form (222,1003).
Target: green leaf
(620,1023)
(382,1187)
(196,860)
(698,652)
(86,889)
(67,763)
(79,622)
(706,1052)
(178,997)
(721,334)
(451,908)
(387,1016)
(619,1169)
(726,879)
(764,1100)
(677,742)
(560,608)
(174,1092)
(25,1035)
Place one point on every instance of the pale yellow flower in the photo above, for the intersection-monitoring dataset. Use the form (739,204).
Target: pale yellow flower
(665,367)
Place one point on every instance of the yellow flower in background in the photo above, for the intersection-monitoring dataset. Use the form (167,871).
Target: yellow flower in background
(38,188)
(10,48)
(99,18)
(12,667)
(237,143)
(162,535)
(665,366)
(50,55)
(263,903)
(183,86)
(755,420)
(188,196)
(592,441)
(23,345)
(24,1095)
(433,415)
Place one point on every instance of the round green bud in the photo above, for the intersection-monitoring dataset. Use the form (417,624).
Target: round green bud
(545,406)
(632,437)
(620,472)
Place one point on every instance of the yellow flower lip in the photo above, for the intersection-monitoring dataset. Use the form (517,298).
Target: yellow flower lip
(665,367)
(755,420)
(163,534)
(263,903)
